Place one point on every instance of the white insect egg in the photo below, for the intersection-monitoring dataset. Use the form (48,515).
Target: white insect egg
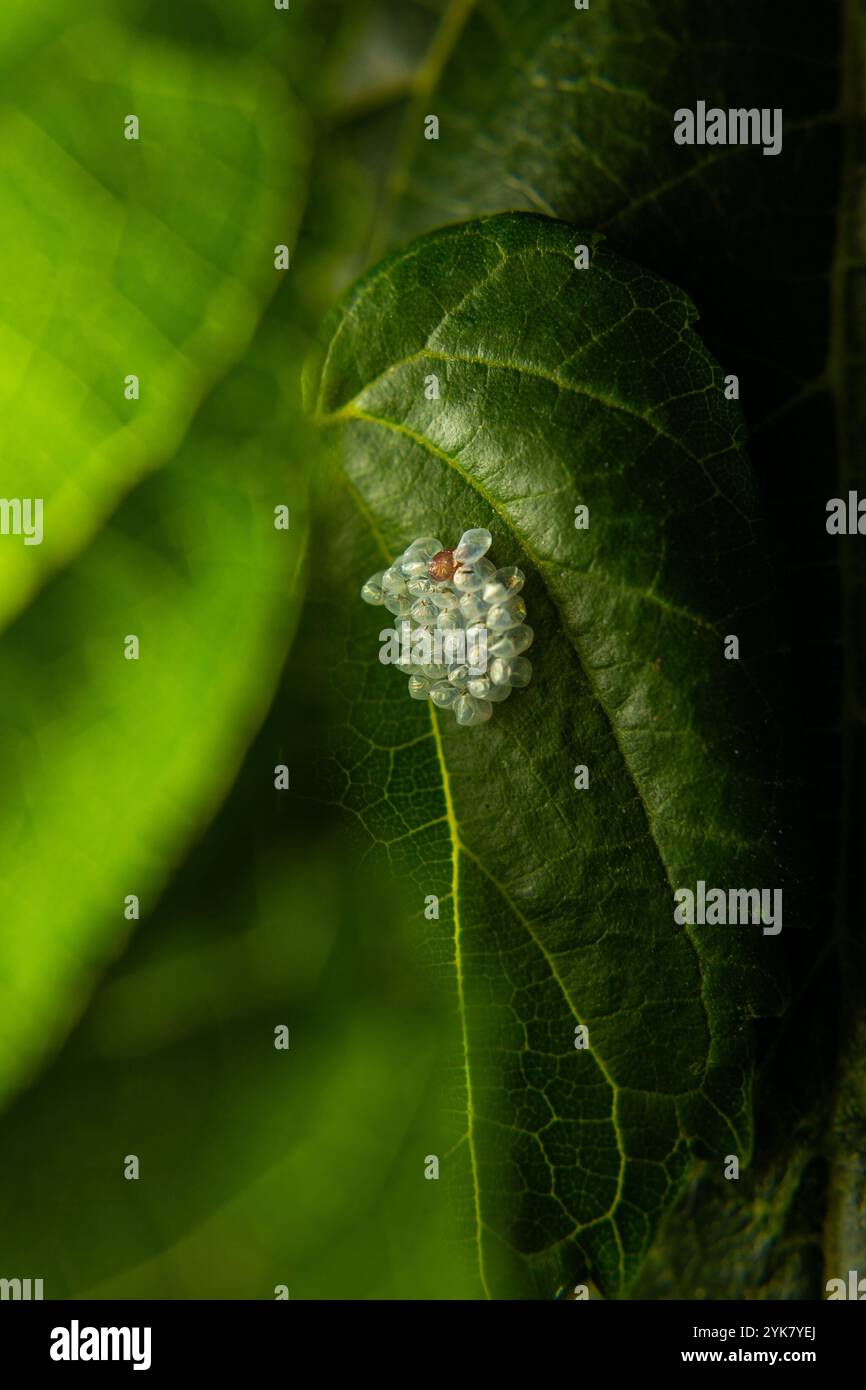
(521,672)
(464,710)
(393,581)
(450,620)
(505,584)
(505,615)
(511,643)
(425,547)
(398,604)
(444,598)
(461,633)
(424,611)
(413,568)
(472,545)
(467,580)
(372,591)
(443,694)
(473,608)
(421,585)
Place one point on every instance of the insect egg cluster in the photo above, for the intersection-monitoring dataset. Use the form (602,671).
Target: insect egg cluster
(474,617)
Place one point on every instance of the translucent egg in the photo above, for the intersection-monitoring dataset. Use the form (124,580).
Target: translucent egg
(468,580)
(420,585)
(424,611)
(505,584)
(464,710)
(512,643)
(398,604)
(471,579)
(453,650)
(419,687)
(472,608)
(413,569)
(372,590)
(476,648)
(444,598)
(505,615)
(450,620)
(393,581)
(472,545)
(443,695)
(424,548)
(521,672)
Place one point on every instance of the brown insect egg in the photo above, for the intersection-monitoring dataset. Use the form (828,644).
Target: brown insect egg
(442,565)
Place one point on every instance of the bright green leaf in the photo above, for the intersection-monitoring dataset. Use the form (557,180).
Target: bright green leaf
(112,765)
(120,260)
(258,1166)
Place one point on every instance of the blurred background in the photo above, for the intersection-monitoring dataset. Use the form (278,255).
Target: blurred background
(155,1037)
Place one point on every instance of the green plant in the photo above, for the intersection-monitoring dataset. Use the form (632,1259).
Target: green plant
(591,301)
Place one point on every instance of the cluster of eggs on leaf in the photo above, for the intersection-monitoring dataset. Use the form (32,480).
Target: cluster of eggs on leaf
(436,590)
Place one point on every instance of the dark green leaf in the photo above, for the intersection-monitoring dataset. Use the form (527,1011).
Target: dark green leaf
(562,387)
(572,113)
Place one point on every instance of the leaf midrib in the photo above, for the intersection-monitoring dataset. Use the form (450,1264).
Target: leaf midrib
(352,412)
(458,848)
(454,835)
(537,564)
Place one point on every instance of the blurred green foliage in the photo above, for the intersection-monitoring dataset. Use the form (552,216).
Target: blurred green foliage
(259,1167)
